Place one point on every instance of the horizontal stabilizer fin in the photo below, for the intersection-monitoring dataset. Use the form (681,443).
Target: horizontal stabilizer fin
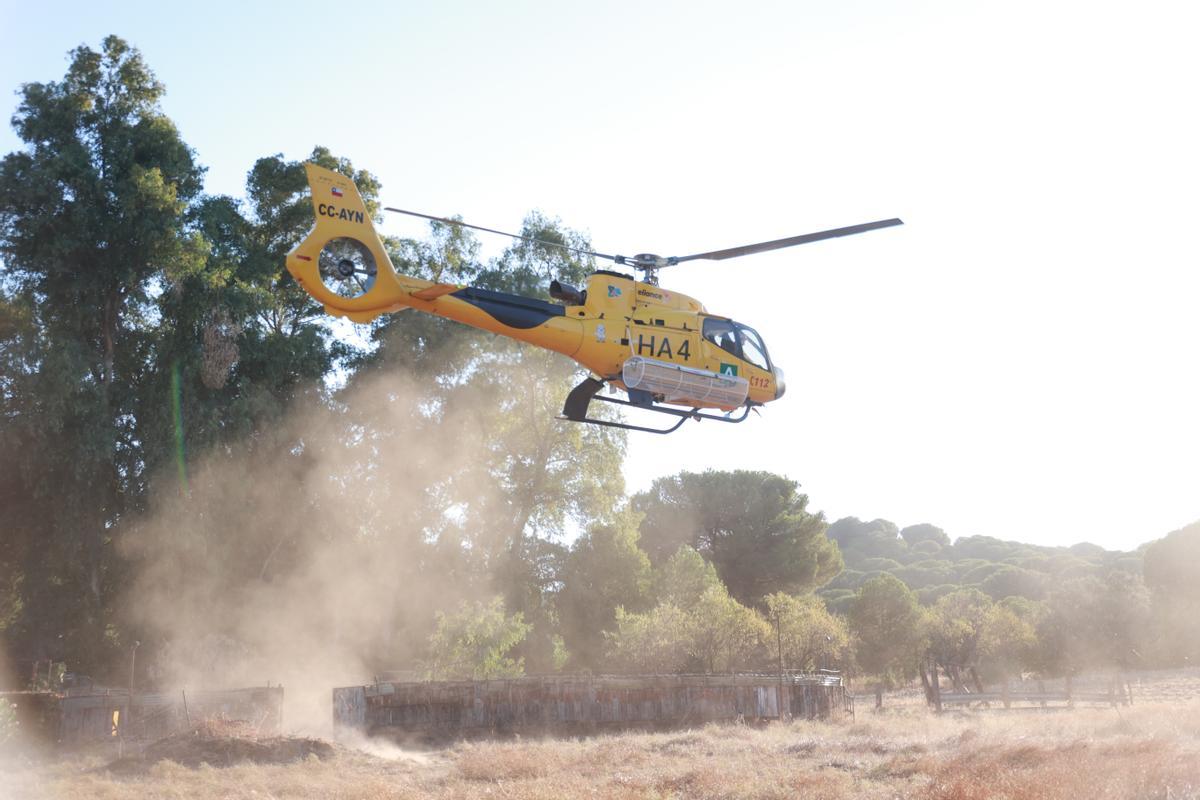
(435,291)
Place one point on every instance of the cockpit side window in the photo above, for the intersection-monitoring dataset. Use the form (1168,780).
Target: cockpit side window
(723,334)
(752,348)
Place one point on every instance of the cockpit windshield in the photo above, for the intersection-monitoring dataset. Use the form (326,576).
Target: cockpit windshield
(752,348)
(737,340)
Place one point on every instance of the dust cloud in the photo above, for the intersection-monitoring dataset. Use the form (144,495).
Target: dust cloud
(315,554)
(381,747)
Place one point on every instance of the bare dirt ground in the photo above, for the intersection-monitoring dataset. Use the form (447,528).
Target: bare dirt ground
(1151,750)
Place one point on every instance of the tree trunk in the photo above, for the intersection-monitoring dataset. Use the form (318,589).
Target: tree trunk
(96,519)
(925,684)
(975,679)
(937,688)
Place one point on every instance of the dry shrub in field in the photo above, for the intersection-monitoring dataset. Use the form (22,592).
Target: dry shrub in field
(507,762)
(218,742)
(1143,769)
(755,780)
(677,745)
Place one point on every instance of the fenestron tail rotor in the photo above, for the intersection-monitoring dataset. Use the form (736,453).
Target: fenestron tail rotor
(347,267)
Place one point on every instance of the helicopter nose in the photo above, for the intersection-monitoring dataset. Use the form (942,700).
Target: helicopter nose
(780,384)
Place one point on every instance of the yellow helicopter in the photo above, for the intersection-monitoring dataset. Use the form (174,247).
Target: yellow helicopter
(662,348)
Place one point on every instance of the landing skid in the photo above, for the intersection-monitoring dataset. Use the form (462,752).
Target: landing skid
(575,410)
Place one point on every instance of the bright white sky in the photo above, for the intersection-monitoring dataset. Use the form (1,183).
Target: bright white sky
(1019,360)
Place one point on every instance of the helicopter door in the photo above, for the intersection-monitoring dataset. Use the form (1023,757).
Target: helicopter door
(723,349)
(723,334)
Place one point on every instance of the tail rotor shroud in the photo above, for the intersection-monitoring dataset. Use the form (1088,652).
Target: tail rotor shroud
(347,267)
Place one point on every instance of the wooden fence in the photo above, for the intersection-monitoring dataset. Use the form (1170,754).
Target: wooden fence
(1059,694)
(98,714)
(580,704)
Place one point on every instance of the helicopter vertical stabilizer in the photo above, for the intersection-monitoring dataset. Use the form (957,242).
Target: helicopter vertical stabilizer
(342,262)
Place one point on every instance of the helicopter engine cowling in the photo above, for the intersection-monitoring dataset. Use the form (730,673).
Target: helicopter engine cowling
(567,294)
(684,384)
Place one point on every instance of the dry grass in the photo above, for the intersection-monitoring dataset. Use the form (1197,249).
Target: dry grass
(1149,751)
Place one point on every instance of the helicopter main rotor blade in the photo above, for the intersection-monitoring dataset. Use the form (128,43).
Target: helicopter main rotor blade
(461,224)
(792,241)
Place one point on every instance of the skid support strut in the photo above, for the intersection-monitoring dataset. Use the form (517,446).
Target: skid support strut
(576,407)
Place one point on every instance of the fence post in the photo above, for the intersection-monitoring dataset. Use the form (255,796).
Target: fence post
(779,641)
(132,664)
(1004,693)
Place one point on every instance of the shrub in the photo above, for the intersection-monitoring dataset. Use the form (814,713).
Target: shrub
(9,726)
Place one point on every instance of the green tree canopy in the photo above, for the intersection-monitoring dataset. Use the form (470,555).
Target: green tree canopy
(725,634)
(1096,622)
(657,641)
(475,643)
(955,625)
(92,225)
(1172,564)
(684,578)
(1008,639)
(714,634)
(916,534)
(886,622)
(604,571)
(810,637)
(878,538)
(1171,569)
(753,526)
(1014,582)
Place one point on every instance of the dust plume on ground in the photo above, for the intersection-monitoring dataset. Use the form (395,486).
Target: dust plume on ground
(312,555)
(383,748)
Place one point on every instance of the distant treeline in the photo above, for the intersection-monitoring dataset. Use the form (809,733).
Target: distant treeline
(196,464)
(924,558)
